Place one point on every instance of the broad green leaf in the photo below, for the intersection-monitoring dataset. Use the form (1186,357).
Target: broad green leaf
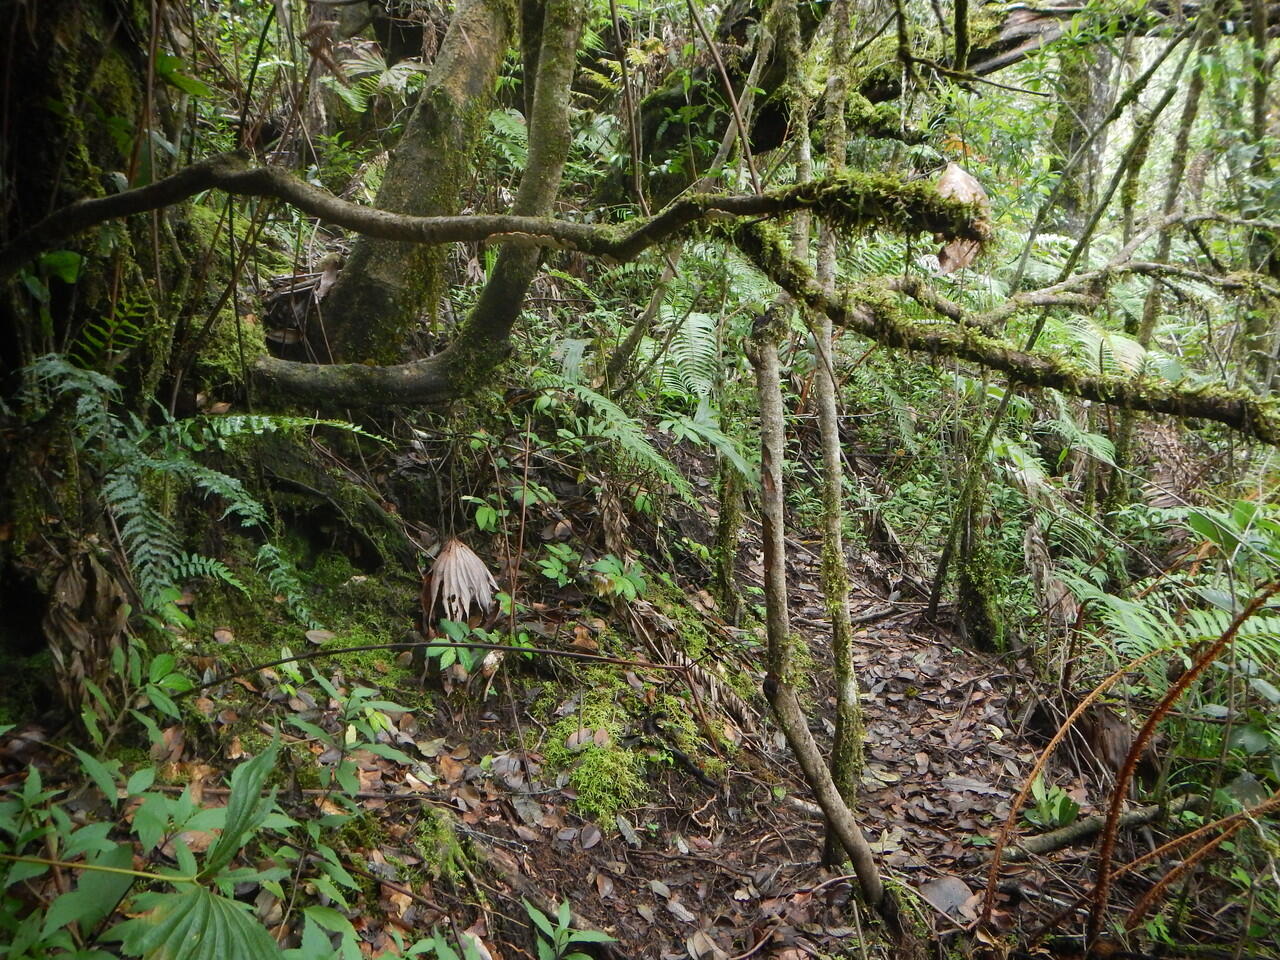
(314,946)
(63,264)
(168,69)
(246,808)
(330,919)
(391,753)
(99,773)
(151,820)
(539,918)
(96,894)
(591,936)
(141,780)
(194,924)
(160,667)
(90,839)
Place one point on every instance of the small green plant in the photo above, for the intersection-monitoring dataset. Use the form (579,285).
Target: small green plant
(558,941)
(187,911)
(487,514)
(143,469)
(1054,807)
(613,578)
(560,565)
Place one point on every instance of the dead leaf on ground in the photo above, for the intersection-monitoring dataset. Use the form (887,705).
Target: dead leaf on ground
(458,584)
(947,894)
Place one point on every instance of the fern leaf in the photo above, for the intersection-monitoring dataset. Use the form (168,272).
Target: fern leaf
(616,424)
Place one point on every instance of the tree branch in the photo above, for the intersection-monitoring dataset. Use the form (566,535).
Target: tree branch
(851,201)
(854,201)
(869,312)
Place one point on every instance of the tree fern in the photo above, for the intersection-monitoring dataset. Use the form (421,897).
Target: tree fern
(1136,627)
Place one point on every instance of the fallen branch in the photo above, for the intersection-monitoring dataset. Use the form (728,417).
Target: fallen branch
(1090,827)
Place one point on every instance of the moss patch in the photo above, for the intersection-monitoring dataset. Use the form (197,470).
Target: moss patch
(607,777)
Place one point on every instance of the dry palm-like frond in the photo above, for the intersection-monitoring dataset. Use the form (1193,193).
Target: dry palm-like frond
(956,183)
(458,586)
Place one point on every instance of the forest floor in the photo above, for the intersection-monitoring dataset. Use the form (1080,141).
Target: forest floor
(702,864)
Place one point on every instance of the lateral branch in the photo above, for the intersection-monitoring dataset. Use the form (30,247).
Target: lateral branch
(853,200)
(869,310)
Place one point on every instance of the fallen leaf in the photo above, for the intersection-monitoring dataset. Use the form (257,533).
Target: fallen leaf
(680,911)
(702,947)
(947,894)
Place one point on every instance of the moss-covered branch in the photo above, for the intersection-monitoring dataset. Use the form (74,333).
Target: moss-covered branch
(854,201)
(870,312)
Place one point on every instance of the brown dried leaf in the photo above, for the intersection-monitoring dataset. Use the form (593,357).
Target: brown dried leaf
(457,584)
(956,183)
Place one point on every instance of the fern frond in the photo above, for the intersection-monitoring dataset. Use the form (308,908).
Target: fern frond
(614,423)
(102,340)
(1103,350)
(193,566)
(692,360)
(282,578)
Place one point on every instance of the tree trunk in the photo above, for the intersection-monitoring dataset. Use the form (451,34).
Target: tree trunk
(779,680)
(386,286)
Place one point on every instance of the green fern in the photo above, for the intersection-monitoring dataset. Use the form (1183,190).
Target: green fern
(1138,627)
(104,339)
(140,464)
(612,422)
(282,578)
(692,360)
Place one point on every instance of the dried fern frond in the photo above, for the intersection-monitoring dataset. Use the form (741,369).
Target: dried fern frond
(458,585)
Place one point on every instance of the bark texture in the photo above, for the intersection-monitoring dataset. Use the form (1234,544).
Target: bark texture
(386,286)
(779,686)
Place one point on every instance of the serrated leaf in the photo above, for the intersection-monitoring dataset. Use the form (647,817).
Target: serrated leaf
(140,781)
(539,919)
(194,924)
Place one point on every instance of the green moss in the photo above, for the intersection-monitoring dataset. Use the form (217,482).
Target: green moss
(362,832)
(359,610)
(233,344)
(436,842)
(677,722)
(694,637)
(607,780)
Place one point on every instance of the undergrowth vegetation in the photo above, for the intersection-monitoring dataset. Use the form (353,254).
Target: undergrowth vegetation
(551,585)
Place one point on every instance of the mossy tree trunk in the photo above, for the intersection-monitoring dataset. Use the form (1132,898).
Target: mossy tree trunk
(387,286)
(846,748)
(780,681)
